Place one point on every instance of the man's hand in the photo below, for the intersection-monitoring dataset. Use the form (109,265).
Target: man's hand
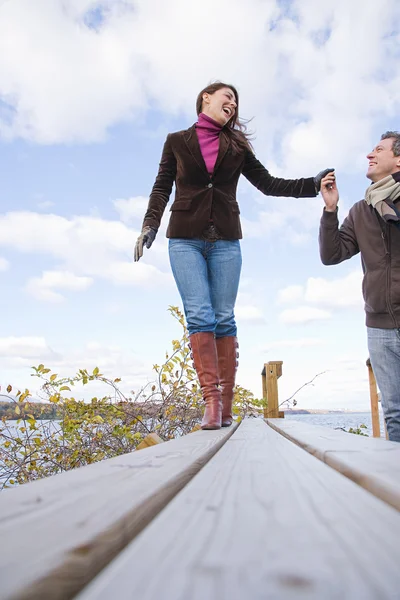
(318,178)
(145,238)
(330,192)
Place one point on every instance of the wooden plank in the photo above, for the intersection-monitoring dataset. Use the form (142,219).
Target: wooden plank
(264,520)
(57,533)
(372,463)
(373,394)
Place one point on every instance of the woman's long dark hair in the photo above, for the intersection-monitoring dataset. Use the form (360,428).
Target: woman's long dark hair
(235,128)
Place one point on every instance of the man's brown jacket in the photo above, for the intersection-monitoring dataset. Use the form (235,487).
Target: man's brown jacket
(366,232)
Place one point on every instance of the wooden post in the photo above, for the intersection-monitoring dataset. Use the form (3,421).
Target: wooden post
(373,393)
(270,374)
(264,389)
(149,440)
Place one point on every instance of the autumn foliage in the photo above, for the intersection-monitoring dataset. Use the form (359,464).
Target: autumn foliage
(86,431)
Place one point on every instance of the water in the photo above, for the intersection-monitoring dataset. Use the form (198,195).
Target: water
(331,420)
(44,426)
(340,420)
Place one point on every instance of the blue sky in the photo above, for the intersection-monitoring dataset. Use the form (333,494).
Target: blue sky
(88,92)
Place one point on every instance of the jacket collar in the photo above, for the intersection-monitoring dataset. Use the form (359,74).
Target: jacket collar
(192,142)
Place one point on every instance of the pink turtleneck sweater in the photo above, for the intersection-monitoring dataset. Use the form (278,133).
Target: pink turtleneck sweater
(208,132)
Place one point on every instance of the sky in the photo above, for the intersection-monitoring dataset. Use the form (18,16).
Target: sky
(89,90)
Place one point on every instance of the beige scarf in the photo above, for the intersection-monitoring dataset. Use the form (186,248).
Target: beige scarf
(382,194)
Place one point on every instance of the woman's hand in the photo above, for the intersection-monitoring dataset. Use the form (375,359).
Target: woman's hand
(319,177)
(145,238)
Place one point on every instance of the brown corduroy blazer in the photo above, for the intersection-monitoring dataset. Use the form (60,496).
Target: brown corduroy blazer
(200,197)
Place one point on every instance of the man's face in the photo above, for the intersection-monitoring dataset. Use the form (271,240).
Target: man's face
(382,161)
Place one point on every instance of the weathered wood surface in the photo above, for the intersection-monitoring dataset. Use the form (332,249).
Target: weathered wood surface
(270,374)
(57,533)
(262,520)
(373,463)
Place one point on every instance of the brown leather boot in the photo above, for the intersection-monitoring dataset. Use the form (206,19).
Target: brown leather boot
(204,353)
(227,349)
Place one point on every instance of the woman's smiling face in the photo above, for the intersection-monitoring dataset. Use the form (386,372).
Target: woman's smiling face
(220,106)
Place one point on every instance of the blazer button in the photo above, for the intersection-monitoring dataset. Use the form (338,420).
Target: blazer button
(210,185)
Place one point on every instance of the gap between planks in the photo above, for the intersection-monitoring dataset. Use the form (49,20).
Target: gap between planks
(58,533)
(262,520)
(372,463)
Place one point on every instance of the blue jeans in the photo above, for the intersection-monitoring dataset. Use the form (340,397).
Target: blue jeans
(207,276)
(384,353)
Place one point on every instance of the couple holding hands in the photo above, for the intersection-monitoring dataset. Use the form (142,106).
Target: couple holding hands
(205,163)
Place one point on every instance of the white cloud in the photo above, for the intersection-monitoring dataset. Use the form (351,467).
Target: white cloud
(340,63)
(303,314)
(248,312)
(292,293)
(338,293)
(85,246)
(18,354)
(4,264)
(296,220)
(131,210)
(297,343)
(124,273)
(344,292)
(42,288)
(25,347)
(68,74)
(112,360)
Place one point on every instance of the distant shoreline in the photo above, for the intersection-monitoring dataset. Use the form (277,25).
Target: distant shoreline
(321,411)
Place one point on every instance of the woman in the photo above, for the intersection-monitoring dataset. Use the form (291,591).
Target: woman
(205,162)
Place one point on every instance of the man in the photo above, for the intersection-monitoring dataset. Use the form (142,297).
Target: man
(373,229)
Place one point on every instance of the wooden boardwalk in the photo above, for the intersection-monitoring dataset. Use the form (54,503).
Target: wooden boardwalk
(373,463)
(264,510)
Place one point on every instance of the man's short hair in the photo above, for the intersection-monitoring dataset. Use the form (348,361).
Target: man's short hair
(395,136)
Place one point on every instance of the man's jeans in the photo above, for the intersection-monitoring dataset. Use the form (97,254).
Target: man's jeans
(207,275)
(384,353)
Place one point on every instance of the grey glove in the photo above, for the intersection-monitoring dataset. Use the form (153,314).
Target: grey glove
(145,238)
(319,177)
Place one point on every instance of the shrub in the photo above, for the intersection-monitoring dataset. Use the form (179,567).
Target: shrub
(358,430)
(83,432)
